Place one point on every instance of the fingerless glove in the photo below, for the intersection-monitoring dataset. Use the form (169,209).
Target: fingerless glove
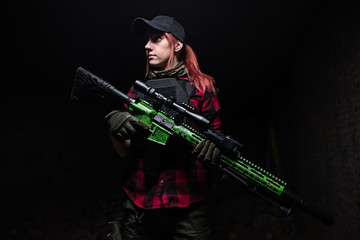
(124,126)
(207,152)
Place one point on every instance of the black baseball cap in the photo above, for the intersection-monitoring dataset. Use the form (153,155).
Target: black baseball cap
(162,23)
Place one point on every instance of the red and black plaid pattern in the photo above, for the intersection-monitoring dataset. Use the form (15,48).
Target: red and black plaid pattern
(182,180)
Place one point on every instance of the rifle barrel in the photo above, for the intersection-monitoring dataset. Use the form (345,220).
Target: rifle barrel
(306,207)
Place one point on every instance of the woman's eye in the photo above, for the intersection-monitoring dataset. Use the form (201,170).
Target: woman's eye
(157,38)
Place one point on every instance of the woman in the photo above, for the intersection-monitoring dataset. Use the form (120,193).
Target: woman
(167,188)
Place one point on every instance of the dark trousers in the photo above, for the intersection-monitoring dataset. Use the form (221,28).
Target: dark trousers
(192,222)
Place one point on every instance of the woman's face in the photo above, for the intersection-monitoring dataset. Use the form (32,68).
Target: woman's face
(158,50)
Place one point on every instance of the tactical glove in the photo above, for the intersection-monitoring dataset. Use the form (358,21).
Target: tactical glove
(124,126)
(207,152)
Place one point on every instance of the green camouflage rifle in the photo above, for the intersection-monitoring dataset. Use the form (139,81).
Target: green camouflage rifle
(163,127)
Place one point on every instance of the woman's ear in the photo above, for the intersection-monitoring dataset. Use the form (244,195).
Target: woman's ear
(178,46)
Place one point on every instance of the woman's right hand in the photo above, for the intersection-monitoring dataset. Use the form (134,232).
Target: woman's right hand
(124,126)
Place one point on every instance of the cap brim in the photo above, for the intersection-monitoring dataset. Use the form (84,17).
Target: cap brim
(141,25)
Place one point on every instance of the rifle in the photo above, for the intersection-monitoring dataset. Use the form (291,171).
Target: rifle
(162,127)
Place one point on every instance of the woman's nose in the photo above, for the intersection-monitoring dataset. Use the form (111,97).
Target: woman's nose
(148,46)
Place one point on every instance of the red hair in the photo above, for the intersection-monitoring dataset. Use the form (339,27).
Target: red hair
(200,80)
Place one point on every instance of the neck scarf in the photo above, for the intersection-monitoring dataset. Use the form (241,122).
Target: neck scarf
(178,71)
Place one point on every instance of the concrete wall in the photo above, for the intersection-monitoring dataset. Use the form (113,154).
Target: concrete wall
(323,153)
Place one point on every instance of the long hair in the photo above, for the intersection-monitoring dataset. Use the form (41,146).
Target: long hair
(201,81)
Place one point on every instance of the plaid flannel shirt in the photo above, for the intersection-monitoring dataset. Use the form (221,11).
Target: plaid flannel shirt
(182,180)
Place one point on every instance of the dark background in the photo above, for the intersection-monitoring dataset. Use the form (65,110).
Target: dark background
(289,80)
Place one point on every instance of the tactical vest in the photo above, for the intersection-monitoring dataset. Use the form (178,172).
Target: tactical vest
(180,91)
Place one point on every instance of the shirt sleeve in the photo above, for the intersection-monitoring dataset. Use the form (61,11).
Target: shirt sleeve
(131,94)
(210,109)
(207,105)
